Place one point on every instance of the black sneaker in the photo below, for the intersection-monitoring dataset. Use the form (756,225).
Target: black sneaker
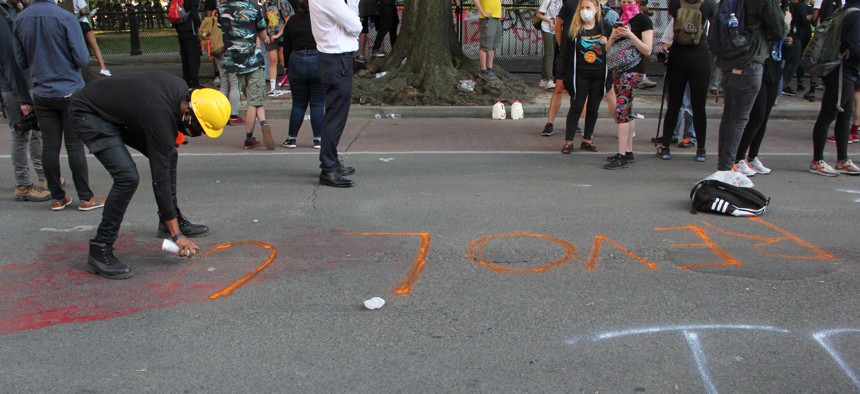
(588,146)
(664,153)
(290,143)
(810,95)
(629,157)
(547,130)
(617,164)
(701,155)
(102,262)
(789,92)
(187,228)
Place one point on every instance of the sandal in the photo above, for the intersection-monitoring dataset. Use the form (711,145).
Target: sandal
(567,147)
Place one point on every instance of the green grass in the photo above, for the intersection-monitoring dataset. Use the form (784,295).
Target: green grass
(120,44)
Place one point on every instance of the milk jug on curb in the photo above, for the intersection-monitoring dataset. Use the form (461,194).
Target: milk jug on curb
(516,110)
(499,111)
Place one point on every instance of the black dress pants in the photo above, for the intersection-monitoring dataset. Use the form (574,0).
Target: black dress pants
(335,70)
(190,52)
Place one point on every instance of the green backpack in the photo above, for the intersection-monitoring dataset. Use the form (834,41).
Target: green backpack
(822,54)
(688,23)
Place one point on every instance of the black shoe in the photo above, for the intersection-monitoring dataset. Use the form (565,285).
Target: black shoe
(342,169)
(103,262)
(334,179)
(701,155)
(187,228)
(617,164)
(547,130)
(789,92)
(664,153)
(810,95)
(629,157)
(588,146)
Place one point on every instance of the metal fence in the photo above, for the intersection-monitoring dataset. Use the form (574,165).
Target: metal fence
(138,36)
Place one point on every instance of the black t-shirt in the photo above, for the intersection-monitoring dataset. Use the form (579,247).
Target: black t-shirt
(566,13)
(298,35)
(590,53)
(210,5)
(639,24)
(692,57)
(149,122)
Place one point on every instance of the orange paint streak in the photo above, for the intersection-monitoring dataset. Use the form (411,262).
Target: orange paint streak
(477,249)
(819,254)
(408,282)
(595,253)
(235,285)
(727,258)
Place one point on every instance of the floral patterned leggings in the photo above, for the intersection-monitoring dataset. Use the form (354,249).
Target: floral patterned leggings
(624,84)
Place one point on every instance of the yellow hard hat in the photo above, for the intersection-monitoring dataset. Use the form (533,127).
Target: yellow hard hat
(212,110)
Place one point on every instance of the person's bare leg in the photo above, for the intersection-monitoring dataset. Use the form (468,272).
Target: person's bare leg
(482,57)
(273,69)
(555,100)
(91,40)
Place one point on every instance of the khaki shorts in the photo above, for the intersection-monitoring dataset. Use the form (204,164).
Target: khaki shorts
(491,33)
(253,85)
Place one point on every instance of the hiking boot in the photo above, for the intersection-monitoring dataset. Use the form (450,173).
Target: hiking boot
(664,153)
(93,203)
(847,167)
(31,193)
(290,143)
(617,164)
(59,205)
(267,137)
(821,168)
(104,263)
(759,168)
(567,147)
(789,92)
(686,143)
(547,130)
(810,95)
(187,228)
(589,146)
(744,168)
(317,143)
(701,155)
(252,143)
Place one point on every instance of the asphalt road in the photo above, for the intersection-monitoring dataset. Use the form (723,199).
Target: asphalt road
(503,271)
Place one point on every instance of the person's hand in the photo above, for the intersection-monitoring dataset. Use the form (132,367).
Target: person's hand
(666,46)
(603,40)
(788,18)
(624,31)
(26,110)
(486,14)
(187,248)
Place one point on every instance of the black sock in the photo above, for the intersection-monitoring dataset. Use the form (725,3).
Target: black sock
(248,136)
(263,123)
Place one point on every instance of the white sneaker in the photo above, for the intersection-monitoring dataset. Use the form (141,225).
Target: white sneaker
(105,72)
(542,83)
(756,166)
(744,168)
(550,85)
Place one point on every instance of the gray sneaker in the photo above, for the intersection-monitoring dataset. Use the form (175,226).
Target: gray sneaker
(491,75)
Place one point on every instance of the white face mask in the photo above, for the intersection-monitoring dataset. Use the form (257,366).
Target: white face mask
(587,15)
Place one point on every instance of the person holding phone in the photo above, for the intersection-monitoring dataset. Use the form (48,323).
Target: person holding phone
(639,29)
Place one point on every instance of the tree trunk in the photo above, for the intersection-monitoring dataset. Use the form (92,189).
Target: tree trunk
(426,64)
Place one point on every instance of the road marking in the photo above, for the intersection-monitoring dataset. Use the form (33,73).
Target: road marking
(405,287)
(701,363)
(81,228)
(476,250)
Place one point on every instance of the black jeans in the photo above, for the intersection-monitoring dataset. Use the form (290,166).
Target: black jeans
(586,88)
(676,84)
(828,113)
(108,144)
(756,126)
(190,52)
(390,22)
(53,117)
(336,73)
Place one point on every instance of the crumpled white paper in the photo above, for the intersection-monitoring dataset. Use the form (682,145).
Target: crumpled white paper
(732,178)
(374,303)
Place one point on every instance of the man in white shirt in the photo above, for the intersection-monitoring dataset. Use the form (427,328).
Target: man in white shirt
(336,27)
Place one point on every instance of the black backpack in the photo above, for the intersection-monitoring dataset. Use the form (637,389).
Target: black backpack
(728,42)
(720,197)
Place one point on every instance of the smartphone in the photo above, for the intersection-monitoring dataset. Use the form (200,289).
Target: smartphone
(619,24)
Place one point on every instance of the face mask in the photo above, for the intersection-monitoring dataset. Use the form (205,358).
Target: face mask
(19,6)
(629,11)
(587,15)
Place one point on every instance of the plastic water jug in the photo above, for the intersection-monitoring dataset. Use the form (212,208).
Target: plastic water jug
(516,110)
(499,111)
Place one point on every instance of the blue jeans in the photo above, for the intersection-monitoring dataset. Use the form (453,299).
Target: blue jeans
(740,87)
(307,88)
(685,116)
(22,142)
(54,119)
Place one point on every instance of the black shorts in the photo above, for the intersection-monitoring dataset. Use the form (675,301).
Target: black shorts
(85,27)
(365,23)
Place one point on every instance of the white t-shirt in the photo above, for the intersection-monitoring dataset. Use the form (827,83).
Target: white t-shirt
(550,9)
(79,4)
